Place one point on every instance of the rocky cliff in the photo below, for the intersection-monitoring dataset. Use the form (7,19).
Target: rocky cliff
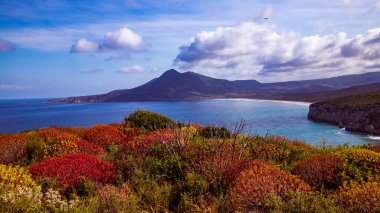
(357,113)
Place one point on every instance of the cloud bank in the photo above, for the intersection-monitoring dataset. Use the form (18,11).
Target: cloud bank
(121,39)
(253,49)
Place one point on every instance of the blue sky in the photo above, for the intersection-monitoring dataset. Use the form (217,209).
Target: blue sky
(62,48)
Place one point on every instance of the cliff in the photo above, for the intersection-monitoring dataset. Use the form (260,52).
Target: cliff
(357,113)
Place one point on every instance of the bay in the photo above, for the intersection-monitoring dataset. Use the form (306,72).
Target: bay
(288,119)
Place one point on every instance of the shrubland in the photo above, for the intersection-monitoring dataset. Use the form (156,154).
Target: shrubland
(149,163)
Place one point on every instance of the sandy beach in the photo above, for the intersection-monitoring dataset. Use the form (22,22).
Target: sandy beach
(253,99)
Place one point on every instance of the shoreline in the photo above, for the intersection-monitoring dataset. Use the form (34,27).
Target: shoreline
(254,99)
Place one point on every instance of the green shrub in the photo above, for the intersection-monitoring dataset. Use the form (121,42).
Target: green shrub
(152,196)
(170,168)
(215,132)
(149,120)
(35,150)
(301,202)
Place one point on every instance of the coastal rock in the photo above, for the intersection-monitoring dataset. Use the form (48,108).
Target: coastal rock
(362,118)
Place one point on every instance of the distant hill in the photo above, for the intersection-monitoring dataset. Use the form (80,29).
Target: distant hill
(327,95)
(358,113)
(173,85)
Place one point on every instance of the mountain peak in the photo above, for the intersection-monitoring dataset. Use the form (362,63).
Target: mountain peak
(171,72)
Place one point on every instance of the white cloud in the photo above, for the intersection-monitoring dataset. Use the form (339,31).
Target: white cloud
(123,38)
(5,46)
(259,50)
(84,45)
(92,71)
(132,69)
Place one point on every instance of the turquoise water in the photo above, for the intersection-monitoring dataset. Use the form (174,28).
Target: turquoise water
(261,117)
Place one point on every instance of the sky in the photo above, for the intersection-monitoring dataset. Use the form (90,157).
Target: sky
(60,48)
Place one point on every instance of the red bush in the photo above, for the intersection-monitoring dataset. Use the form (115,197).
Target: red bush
(218,163)
(89,148)
(254,185)
(375,148)
(12,147)
(321,171)
(69,169)
(142,145)
(103,135)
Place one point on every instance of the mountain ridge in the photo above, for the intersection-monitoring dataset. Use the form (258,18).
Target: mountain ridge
(173,85)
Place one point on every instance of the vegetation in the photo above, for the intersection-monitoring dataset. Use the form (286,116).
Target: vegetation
(371,98)
(149,120)
(155,165)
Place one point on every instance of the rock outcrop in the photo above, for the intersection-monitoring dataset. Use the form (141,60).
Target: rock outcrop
(358,113)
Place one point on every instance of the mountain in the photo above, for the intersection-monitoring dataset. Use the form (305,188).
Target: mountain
(173,85)
(357,113)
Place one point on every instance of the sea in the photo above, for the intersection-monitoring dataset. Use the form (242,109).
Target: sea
(263,117)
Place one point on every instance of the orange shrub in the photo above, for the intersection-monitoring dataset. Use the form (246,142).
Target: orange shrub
(272,147)
(321,171)
(54,134)
(356,197)
(103,135)
(58,141)
(254,185)
(12,147)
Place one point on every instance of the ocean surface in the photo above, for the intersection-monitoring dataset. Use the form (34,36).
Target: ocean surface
(288,119)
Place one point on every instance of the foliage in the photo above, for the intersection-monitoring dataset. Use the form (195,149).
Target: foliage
(215,132)
(361,163)
(148,120)
(69,169)
(321,171)
(218,162)
(103,135)
(144,144)
(375,148)
(35,150)
(302,202)
(14,176)
(360,197)
(183,168)
(89,148)
(116,199)
(13,147)
(152,196)
(252,187)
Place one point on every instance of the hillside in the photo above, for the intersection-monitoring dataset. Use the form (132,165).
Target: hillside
(149,163)
(173,85)
(358,113)
(327,95)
